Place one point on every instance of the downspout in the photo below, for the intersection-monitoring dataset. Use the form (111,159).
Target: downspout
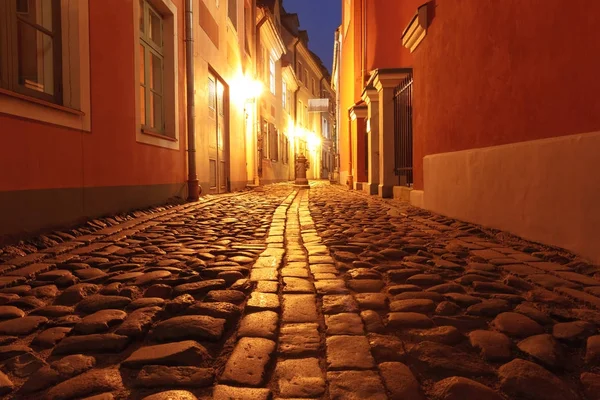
(364,46)
(193,187)
(350,181)
(296,103)
(259,150)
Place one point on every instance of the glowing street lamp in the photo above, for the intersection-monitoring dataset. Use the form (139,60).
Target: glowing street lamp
(251,89)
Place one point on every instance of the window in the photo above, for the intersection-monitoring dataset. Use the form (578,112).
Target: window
(284,95)
(299,70)
(248,25)
(31,52)
(284,148)
(272,74)
(305,117)
(273,143)
(305,80)
(301,116)
(314,86)
(151,69)
(232,12)
(263,145)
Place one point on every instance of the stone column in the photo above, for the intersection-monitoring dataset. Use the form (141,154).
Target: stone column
(385,84)
(358,115)
(371,98)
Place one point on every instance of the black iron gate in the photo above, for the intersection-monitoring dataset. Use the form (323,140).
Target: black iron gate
(403,131)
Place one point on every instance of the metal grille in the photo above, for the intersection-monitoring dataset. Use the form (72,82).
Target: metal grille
(403,131)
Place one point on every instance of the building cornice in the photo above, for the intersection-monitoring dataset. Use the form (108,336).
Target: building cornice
(385,78)
(416,30)
(273,38)
(358,111)
(307,56)
(290,77)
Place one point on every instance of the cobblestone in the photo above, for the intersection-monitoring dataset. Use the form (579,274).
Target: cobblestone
(279,293)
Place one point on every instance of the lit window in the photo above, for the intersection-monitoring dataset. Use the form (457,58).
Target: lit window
(284,95)
(30,60)
(272,74)
(151,68)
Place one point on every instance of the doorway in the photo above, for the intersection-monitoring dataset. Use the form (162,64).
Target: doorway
(218,135)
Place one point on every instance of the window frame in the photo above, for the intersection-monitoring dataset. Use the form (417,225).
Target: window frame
(151,47)
(272,73)
(9,52)
(273,143)
(284,95)
(233,18)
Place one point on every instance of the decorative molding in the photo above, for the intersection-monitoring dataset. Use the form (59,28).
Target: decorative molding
(416,30)
(358,111)
(272,38)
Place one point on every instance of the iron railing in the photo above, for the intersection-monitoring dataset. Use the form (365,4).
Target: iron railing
(403,136)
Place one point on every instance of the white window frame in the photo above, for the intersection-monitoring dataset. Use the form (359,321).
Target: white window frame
(74,112)
(272,69)
(157,49)
(171,84)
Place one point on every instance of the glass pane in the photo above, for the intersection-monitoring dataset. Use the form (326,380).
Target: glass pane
(220,98)
(212,178)
(143,105)
(37,12)
(222,169)
(156,73)
(212,94)
(35,59)
(142,26)
(142,65)
(157,110)
(155,28)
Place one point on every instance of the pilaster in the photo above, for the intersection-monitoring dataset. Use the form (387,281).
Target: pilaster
(385,83)
(371,98)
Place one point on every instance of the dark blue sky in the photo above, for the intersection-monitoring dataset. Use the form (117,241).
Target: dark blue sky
(320,18)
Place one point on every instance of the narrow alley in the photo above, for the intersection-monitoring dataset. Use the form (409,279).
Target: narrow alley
(280,293)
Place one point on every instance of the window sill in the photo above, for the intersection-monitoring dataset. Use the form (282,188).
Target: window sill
(158,135)
(41,102)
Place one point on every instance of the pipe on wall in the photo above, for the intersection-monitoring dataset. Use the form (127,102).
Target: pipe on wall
(192,182)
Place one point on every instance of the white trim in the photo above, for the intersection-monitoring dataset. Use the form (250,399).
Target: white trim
(170,15)
(416,30)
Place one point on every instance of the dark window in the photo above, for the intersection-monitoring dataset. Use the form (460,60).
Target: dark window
(232,12)
(273,143)
(30,48)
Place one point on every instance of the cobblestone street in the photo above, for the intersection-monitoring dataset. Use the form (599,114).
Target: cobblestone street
(277,293)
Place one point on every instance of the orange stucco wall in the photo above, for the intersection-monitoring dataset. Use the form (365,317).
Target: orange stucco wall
(381,47)
(385,21)
(489,74)
(42,156)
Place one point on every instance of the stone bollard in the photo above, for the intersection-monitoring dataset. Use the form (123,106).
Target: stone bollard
(301,167)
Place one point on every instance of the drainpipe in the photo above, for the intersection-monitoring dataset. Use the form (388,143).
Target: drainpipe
(193,187)
(297,40)
(364,40)
(350,181)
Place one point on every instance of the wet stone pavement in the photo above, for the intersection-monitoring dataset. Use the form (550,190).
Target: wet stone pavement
(285,294)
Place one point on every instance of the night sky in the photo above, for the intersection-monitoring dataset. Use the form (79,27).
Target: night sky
(320,18)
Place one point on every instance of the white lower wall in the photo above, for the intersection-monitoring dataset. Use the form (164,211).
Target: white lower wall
(543,190)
